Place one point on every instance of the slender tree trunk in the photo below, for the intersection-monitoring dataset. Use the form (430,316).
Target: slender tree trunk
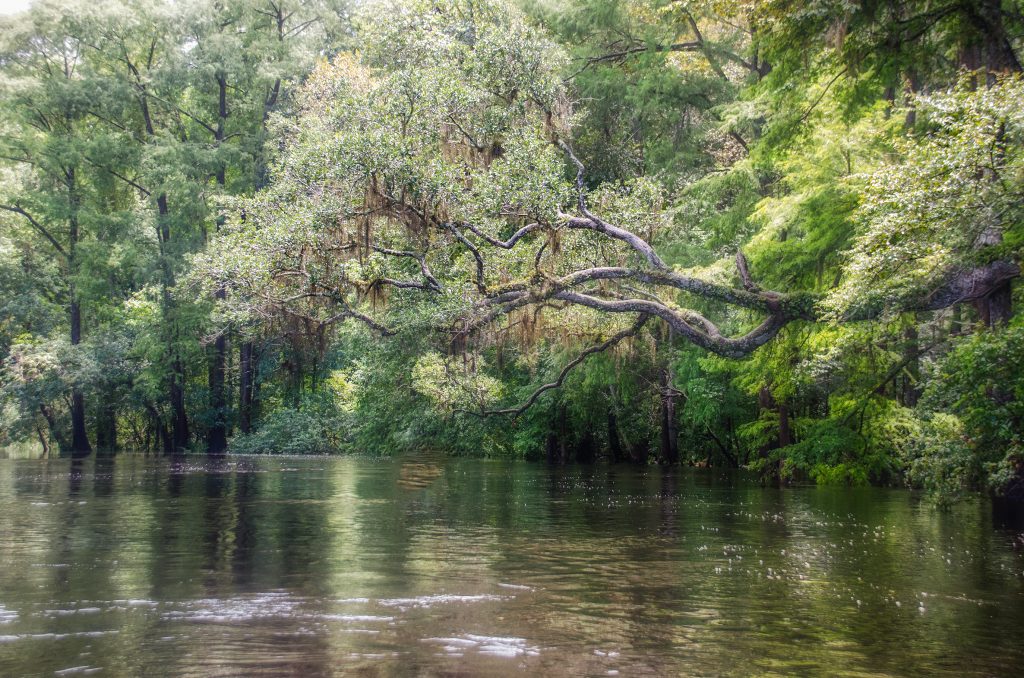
(79,437)
(993,52)
(245,384)
(766,401)
(179,425)
(995,309)
(614,441)
(551,448)
(669,428)
(217,437)
(217,440)
(563,437)
(178,439)
(911,354)
(585,448)
(43,441)
(55,432)
(785,433)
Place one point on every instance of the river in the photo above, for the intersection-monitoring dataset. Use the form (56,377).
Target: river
(134,565)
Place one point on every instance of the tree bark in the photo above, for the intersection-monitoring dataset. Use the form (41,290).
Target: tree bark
(246,374)
(217,439)
(614,441)
(217,436)
(585,448)
(179,425)
(669,428)
(551,448)
(911,355)
(79,437)
(995,309)
(785,433)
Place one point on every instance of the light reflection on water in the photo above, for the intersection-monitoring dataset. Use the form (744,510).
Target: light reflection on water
(268,566)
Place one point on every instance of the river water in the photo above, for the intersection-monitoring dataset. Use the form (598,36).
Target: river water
(134,566)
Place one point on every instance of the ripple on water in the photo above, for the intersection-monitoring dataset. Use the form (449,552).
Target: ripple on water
(331,566)
(78,670)
(268,605)
(492,646)
(356,618)
(7,616)
(439,599)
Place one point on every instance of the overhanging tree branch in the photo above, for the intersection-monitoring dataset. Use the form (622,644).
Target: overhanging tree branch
(557,383)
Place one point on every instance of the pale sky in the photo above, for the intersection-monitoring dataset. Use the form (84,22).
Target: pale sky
(12,6)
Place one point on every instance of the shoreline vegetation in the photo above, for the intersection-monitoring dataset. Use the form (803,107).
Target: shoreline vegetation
(763,234)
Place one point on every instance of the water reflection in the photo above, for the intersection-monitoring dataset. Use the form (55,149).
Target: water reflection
(128,565)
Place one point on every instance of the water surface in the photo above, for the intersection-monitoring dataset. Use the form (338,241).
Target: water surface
(134,566)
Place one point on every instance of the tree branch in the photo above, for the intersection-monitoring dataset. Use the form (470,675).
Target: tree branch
(432,282)
(594,223)
(17,209)
(557,383)
(744,271)
(505,244)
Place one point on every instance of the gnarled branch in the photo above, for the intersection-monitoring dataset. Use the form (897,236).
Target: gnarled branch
(432,282)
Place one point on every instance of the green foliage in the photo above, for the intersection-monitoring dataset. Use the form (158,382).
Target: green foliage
(979,384)
(328,201)
(318,428)
(958,184)
(940,458)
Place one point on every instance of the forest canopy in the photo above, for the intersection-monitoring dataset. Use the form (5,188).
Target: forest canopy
(770,234)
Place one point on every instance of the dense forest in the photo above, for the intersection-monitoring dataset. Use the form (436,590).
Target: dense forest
(769,234)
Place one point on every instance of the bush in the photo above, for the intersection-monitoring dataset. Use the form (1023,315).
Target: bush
(291,431)
(939,458)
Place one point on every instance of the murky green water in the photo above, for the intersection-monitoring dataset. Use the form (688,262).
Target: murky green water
(132,566)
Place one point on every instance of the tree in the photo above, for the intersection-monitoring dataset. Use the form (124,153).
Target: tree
(448,180)
(62,180)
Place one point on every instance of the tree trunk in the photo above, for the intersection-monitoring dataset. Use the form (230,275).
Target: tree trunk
(217,439)
(217,436)
(911,355)
(551,448)
(246,377)
(55,432)
(179,425)
(995,309)
(766,401)
(43,441)
(178,440)
(992,51)
(669,427)
(585,448)
(785,434)
(991,47)
(79,437)
(614,441)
